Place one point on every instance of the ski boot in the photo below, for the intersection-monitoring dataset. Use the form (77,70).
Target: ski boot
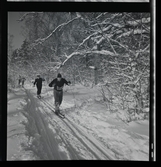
(57,111)
(39,96)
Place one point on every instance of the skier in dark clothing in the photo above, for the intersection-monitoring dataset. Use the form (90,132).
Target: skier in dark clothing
(58,84)
(38,82)
(19,80)
(23,80)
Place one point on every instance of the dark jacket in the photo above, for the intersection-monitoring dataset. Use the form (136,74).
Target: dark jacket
(23,79)
(58,85)
(38,82)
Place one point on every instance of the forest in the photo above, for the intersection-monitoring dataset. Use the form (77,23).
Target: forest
(109,50)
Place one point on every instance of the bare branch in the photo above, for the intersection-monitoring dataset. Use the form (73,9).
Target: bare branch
(26,14)
(41,40)
(101,15)
(107,40)
(101,52)
(136,22)
(124,75)
(139,22)
(95,33)
(104,29)
(145,48)
(86,39)
(135,32)
(120,44)
(104,22)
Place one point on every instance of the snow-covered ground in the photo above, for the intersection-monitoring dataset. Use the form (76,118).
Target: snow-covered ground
(89,130)
(16,131)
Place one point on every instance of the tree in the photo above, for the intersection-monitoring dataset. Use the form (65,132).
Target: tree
(116,45)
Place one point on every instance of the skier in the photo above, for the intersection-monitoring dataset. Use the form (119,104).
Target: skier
(38,82)
(58,84)
(19,80)
(23,80)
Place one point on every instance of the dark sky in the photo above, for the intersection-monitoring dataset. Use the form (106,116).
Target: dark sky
(14,28)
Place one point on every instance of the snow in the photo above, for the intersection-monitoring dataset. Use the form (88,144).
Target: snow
(140,127)
(16,132)
(89,131)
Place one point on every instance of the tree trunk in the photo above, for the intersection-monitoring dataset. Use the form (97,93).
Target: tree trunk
(73,72)
(139,102)
(96,66)
(95,76)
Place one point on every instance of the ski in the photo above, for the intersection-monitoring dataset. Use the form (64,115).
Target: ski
(39,97)
(59,114)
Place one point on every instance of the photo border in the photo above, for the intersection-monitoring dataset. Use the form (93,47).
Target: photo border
(80,7)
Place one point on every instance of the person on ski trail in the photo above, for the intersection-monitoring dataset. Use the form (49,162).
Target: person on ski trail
(58,84)
(38,82)
(23,80)
(19,80)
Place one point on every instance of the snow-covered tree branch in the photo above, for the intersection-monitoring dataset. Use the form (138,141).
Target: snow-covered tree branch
(91,47)
(41,40)
(101,52)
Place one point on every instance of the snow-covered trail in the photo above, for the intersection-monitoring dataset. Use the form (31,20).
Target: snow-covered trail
(88,132)
(93,145)
(60,139)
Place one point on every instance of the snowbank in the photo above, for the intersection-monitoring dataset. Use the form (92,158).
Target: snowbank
(127,141)
(16,132)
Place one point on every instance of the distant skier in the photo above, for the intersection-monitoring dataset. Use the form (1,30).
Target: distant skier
(23,80)
(58,84)
(19,80)
(38,82)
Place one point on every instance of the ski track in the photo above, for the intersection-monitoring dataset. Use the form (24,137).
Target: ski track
(93,144)
(57,138)
(82,139)
(39,130)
